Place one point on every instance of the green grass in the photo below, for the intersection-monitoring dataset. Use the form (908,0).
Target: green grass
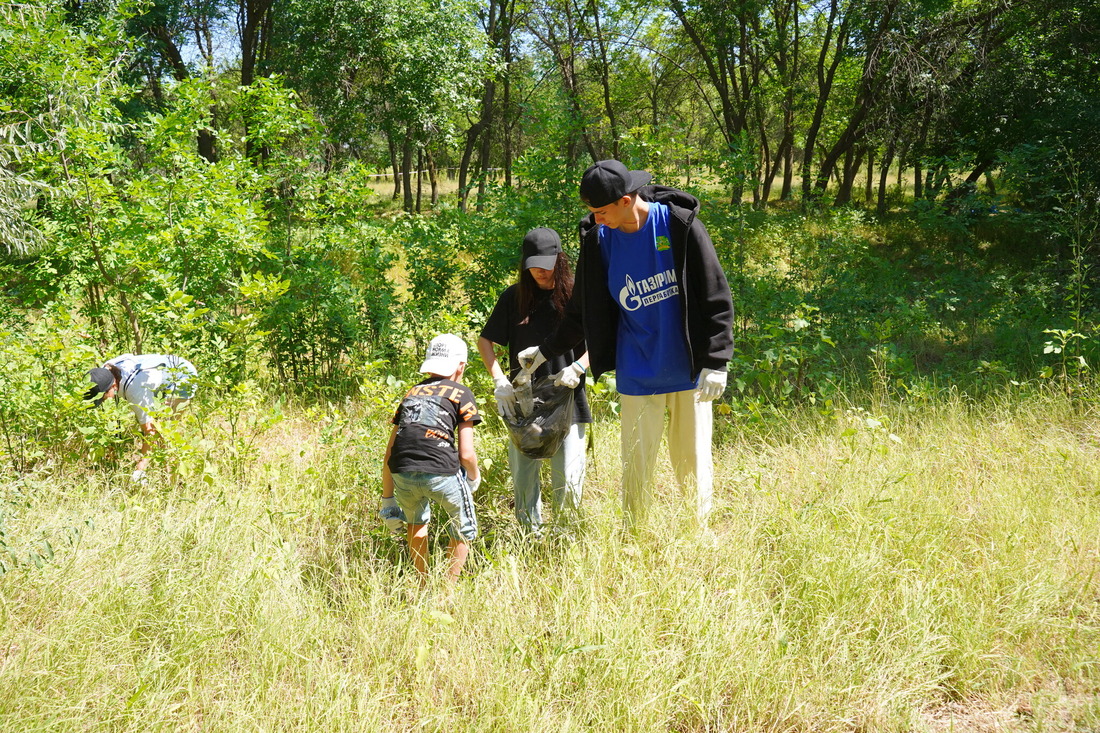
(898,568)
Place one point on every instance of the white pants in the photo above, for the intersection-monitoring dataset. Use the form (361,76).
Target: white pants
(566,481)
(690,427)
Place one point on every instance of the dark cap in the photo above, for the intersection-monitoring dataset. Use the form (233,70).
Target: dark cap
(608,181)
(541,248)
(102,380)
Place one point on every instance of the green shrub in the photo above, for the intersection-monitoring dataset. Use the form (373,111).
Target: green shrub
(43,417)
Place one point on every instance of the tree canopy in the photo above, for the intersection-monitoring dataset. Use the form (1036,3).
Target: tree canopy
(178,174)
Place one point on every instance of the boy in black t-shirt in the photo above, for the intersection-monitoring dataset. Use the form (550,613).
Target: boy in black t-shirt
(430,456)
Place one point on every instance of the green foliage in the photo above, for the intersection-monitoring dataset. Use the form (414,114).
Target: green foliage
(406,70)
(314,325)
(458,262)
(58,89)
(549,196)
(238,344)
(1071,367)
(43,417)
(227,431)
(736,166)
(779,365)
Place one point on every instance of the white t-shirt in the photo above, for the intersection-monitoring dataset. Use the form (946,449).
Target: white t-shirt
(142,376)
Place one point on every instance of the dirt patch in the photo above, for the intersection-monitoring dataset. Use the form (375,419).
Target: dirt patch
(1048,712)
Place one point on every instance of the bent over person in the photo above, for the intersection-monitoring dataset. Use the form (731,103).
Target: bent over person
(430,457)
(144,381)
(652,303)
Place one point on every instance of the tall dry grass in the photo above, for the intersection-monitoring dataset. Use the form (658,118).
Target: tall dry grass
(894,569)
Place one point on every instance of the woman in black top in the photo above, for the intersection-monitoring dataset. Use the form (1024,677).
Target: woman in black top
(525,315)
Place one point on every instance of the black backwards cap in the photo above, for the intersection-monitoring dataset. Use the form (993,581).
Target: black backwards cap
(608,181)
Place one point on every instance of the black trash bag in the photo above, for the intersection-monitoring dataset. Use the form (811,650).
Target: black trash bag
(539,431)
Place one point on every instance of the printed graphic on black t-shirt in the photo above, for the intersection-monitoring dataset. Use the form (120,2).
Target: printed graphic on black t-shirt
(427,420)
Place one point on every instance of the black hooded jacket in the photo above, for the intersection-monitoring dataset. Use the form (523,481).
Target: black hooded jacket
(593,315)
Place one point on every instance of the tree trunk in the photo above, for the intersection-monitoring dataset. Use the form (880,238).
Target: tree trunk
(484,164)
(171,53)
(917,151)
(478,130)
(564,53)
(605,79)
(869,186)
(782,159)
(788,171)
(419,176)
(406,170)
(884,172)
(254,28)
(847,178)
(791,71)
(868,94)
(394,166)
(765,187)
(729,118)
(433,177)
(507,133)
(825,76)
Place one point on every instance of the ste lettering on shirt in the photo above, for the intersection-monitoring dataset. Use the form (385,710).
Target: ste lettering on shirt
(427,421)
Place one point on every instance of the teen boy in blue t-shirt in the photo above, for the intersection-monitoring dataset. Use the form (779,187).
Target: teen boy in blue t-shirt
(652,302)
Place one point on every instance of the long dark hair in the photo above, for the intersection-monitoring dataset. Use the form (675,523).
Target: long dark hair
(559,296)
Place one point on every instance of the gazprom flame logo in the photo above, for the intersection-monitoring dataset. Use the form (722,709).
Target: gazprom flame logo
(649,291)
(628,296)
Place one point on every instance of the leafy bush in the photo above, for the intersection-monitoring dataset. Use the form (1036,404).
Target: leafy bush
(313,326)
(783,363)
(43,416)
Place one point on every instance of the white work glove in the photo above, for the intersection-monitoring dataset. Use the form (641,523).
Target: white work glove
(138,477)
(392,515)
(505,395)
(473,484)
(530,358)
(570,376)
(712,383)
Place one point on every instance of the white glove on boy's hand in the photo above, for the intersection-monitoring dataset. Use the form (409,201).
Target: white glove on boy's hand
(531,358)
(570,376)
(475,484)
(505,395)
(712,383)
(392,515)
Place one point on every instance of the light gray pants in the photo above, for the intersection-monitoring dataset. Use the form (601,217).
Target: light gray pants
(566,481)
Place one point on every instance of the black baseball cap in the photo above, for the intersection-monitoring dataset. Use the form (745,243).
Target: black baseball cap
(608,181)
(541,247)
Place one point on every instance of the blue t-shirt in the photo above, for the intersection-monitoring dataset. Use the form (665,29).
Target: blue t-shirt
(652,355)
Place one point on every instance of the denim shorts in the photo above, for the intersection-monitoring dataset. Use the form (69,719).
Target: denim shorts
(415,490)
